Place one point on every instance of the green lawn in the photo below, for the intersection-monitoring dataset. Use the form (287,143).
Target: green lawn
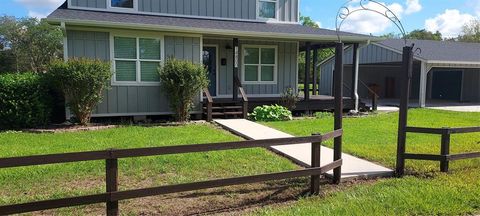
(424,192)
(25,184)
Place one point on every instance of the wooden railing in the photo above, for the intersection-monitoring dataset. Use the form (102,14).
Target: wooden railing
(375,96)
(209,110)
(244,98)
(112,196)
(445,157)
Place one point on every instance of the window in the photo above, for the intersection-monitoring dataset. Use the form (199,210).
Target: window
(267,9)
(122,3)
(136,59)
(259,64)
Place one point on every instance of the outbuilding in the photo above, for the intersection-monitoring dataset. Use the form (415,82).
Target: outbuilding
(444,71)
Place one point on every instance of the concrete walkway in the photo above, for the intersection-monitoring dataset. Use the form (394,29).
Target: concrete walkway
(353,167)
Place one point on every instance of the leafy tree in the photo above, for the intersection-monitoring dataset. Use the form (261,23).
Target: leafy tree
(82,81)
(471,32)
(391,35)
(308,21)
(422,34)
(34,43)
(322,54)
(182,81)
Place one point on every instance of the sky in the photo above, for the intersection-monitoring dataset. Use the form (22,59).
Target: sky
(446,16)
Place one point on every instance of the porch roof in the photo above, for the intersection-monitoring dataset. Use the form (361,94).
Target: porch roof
(200,26)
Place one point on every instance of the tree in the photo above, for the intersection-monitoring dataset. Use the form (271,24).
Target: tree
(322,54)
(422,34)
(391,35)
(471,32)
(34,43)
(308,21)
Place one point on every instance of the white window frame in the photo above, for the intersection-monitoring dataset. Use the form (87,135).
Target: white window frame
(138,61)
(120,9)
(276,10)
(275,66)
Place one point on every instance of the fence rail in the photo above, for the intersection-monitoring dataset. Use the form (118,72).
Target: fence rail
(112,195)
(445,157)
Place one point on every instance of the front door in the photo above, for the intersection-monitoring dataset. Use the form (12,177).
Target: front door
(210,62)
(447,85)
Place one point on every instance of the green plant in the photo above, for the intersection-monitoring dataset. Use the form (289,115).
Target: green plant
(321,115)
(289,99)
(24,101)
(182,81)
(271,113)
(82,82)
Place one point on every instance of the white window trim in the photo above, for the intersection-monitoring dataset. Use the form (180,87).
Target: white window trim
(138,81)
(120,9)
(275,66)
(276,11)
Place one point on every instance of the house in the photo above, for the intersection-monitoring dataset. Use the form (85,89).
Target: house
(444,71)
(248,46)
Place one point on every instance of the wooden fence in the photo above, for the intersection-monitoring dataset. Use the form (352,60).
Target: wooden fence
(112,195)
(445,157)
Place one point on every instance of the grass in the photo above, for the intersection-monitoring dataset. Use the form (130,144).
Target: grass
(18,185)
(424,192)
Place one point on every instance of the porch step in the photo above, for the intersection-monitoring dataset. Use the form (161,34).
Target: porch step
(224,109)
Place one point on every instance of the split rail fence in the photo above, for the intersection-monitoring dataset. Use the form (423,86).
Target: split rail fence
(112,196)
(445,157)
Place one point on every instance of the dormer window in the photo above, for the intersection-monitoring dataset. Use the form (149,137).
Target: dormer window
(267,9)
(128,4)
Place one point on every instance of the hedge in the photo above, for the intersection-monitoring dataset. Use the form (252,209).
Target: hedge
(25,101)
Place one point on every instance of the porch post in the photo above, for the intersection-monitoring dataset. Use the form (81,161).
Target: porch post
(355,71)
(423,85)
(306,81)
(315,62)
(235,69)
(338,93)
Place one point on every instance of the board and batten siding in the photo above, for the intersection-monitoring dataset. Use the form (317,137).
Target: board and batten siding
(231,9)
(89,3)
(130,100)
(286,68)
(370,54)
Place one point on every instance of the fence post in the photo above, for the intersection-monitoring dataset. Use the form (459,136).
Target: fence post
(445,150)
(315,179)
(112,184)
(338,120)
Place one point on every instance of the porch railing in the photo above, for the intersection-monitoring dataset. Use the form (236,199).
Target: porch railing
(244,97)
(209,98)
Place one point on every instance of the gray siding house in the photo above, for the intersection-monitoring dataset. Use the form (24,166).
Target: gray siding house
(256,42)
(444,71)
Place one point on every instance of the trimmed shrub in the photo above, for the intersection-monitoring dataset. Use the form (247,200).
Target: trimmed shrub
(24,101)
(271,113)
(82,82)
(182,81)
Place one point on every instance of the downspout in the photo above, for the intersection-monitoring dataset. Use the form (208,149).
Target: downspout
(355,81)
(65,58)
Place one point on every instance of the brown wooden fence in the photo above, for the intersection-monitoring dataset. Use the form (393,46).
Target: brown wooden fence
(112,195)
(445,157)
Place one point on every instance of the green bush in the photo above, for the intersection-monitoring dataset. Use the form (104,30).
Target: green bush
(271,113)
(182,81)
(82,82)
(24,101)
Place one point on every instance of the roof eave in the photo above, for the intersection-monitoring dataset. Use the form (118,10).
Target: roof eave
(181,29)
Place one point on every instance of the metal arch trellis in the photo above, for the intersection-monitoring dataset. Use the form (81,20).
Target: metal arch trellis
(344,12)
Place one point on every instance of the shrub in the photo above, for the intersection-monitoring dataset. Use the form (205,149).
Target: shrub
(289,99)
(271,113)
(82,82)
(24,101)
(321,115)
(182,81)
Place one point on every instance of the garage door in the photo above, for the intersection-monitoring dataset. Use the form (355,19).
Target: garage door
(447,85)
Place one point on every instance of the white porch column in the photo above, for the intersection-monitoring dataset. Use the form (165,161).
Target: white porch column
(423,85)
(355,80)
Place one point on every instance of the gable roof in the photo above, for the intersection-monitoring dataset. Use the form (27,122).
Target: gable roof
(441,51)
(198,25)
